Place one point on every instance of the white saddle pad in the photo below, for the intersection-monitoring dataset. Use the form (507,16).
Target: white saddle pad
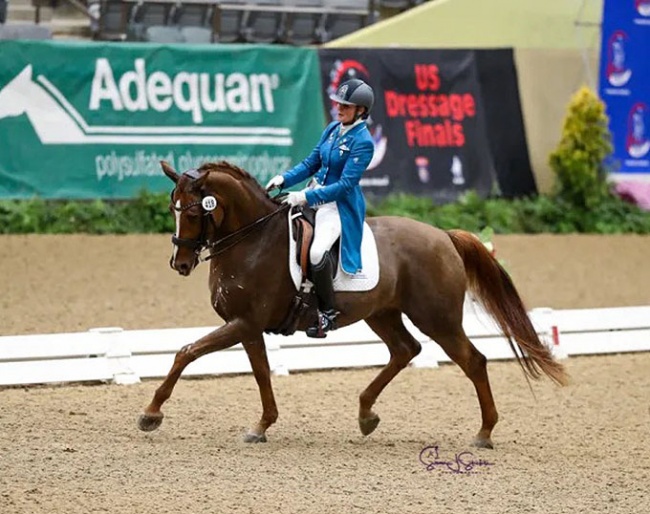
(364,281)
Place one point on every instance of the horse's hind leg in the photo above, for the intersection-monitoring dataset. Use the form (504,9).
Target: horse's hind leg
(402,346)
(452,339)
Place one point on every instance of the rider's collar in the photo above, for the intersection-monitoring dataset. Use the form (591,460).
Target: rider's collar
(346,128)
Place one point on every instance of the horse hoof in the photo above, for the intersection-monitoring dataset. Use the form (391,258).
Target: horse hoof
(368,425)
(252,437)
(150,422)
(480,442)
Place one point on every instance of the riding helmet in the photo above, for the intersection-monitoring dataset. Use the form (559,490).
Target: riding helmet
(355,92)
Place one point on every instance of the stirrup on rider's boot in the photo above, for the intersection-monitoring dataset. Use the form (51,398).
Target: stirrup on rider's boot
(326,322)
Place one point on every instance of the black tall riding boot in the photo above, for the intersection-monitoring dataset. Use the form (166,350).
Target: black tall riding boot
(322,277)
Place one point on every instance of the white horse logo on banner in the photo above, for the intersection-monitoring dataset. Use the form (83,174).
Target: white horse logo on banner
(57,122)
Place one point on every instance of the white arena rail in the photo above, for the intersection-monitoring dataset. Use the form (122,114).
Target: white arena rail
(124,357)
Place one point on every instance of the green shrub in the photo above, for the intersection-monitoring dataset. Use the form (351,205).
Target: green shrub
(146,213)
(149,213)
(578,160)
(541,214)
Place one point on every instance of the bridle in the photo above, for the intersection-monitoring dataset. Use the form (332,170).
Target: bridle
(219,246)
(196,245)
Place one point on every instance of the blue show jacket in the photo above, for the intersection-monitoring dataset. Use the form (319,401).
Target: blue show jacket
(338,163)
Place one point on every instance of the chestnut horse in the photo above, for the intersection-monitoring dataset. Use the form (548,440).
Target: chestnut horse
(424,274)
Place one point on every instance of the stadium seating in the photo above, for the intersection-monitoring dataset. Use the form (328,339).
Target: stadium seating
(24,31)
(3,11)
(197,35)
(345,17)
(228,22)
(164,34)
(394,4)
(264,22)
(296,22)
(150,14)
(304,24)
(402,5)
(186,14)
(113,18)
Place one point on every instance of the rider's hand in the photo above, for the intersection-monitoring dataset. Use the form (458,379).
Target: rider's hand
(295,199)
(275,182)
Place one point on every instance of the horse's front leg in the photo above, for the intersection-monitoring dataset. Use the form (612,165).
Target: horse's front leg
(256,351)
(224,337)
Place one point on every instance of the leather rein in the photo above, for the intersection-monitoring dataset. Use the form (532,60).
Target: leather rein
(220,245)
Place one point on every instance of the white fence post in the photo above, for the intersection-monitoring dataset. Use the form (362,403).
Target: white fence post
(427,357)
(118,355)
(276,363)
(546,326)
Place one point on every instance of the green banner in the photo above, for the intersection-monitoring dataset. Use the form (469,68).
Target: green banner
(93,120)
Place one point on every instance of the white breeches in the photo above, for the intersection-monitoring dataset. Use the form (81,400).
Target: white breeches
(326,231)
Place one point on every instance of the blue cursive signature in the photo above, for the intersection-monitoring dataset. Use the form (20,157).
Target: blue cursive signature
(463,462)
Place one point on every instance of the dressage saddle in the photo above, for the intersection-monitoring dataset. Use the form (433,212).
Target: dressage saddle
(303,219)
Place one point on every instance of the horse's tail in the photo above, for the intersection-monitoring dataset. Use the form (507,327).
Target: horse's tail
(492,286)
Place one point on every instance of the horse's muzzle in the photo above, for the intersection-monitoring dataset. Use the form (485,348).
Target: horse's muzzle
(183,268)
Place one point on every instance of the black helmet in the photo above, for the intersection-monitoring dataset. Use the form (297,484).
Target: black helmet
(355,92)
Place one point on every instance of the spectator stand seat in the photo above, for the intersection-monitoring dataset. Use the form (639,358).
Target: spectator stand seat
(149,13)
(113,20)
(3,12)
(264,21)
(345,17)
(195,21)
(304,22)
(24,31)
(165,34)
(399,5)
(229,19)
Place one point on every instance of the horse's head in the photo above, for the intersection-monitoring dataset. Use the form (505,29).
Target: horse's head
(195,211)
(210,203)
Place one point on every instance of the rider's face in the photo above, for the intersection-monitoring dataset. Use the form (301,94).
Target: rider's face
(346,113)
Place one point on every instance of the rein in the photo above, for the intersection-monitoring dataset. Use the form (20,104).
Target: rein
(217,247)
(242,232)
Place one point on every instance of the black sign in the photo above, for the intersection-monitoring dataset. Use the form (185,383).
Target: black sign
(428,121)
(497,76)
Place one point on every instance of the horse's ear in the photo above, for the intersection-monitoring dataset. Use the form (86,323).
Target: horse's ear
(169,171)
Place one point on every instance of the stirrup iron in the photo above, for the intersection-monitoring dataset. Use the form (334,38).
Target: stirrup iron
(326,321)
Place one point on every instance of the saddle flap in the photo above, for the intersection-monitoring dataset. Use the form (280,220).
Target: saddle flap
(304,236)
(303,221)
(300,241)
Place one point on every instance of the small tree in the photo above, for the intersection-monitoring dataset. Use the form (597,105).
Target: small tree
(578,161)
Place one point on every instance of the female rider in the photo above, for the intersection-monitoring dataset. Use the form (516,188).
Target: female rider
(337,162)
